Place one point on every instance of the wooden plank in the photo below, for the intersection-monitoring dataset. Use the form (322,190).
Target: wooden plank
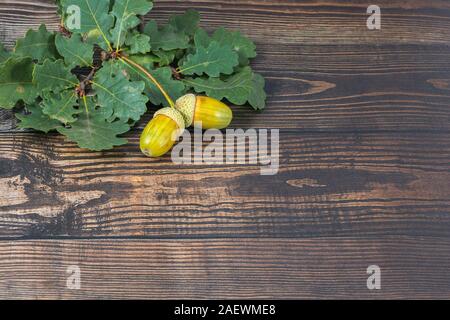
(411,267)
(392,79)
(341,184)
(364,175)
(351,88)
(290,21)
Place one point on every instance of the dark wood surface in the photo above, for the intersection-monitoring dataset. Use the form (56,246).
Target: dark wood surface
(364,178)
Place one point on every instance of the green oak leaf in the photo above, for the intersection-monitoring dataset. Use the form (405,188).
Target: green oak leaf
(116,91)
(201,38)
(239,43)
(165,58)
(39,45)
(53,76)
(92,131)
(4,54)
(138,43)
(105,112)
(126,13)
(144,59)
(258,96)
(95,19)
(60,8)
(61,106)
(186,23)
(174,88)
(166,38)
(214,60)
(243,87)
(91,104)
(37,120)
(74,51)
(244,47)
(162,58)
(16,82)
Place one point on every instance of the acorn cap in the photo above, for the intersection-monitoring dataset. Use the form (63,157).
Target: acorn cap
(186,105)
(172,114)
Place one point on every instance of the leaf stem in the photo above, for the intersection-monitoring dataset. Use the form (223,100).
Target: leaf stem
(152,78)
(98,26)
(86,106)
(205,64)
(180,70)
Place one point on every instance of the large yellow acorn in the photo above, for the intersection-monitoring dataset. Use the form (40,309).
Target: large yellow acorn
(162,132)
(204,112)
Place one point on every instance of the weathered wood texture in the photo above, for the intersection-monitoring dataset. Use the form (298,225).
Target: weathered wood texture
(340,184)
(364,178)
(239,268)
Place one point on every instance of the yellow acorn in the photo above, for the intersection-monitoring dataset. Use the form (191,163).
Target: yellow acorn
(162,132)
(204,112)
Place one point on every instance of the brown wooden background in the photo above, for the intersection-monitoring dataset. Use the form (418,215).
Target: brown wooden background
(364,179)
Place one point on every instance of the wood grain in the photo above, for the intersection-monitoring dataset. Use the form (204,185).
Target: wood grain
(412,267)
(341,184)
(364,172)
(325,71)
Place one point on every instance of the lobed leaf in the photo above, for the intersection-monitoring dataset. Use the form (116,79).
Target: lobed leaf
(174,88)
(95,18)
(37,120)
(245,48)
(16,82)
(75,52)
(39,45)
(4,54)
(59,6)
(201,38)
(53,76)
(126,13)
(92,131)
(117,92)
(144,60)
(239,89)
(165,58)
(138,43)
(166,38)
(61,106)
(258,96)
(186,23)
(213,60)
(119,88)
(242,45)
